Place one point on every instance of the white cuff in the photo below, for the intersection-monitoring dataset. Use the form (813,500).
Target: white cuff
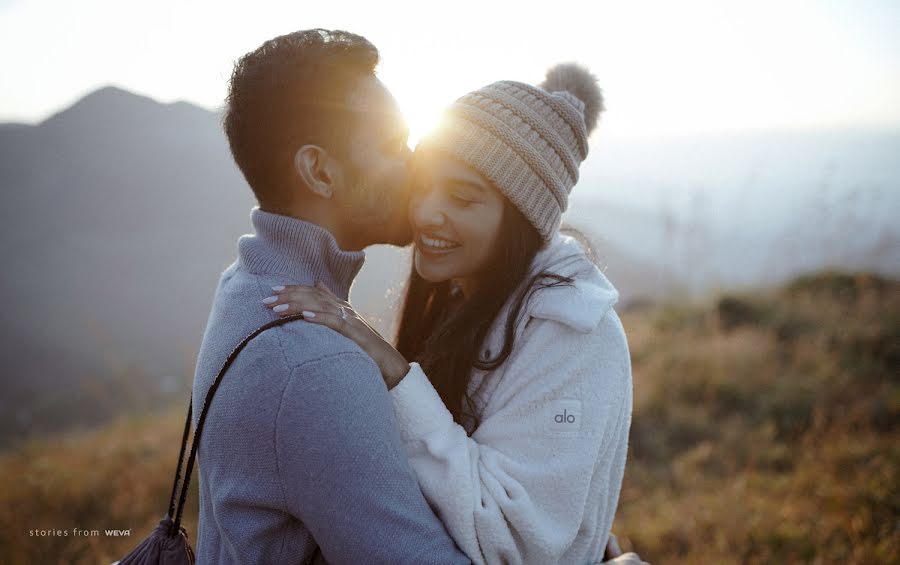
(418,406)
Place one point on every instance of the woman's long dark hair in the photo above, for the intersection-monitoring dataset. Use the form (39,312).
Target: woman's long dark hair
(447,341)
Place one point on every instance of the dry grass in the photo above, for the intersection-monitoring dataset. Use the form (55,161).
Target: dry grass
(765,427)
(764,431)
(116,478)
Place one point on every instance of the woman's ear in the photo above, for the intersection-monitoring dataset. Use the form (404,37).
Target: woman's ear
(317,169)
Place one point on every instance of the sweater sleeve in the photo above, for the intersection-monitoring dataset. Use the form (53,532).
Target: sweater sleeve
(344,471)
(516,491)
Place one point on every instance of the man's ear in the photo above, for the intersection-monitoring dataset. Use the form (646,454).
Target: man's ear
(317,170)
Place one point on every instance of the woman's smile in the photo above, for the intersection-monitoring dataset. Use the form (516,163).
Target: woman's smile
(455,214)
(434,246)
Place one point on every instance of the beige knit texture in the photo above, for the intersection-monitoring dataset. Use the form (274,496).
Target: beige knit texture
(528,142)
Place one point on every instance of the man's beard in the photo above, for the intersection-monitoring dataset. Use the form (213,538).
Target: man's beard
(372,209)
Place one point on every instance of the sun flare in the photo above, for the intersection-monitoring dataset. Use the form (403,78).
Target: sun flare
(421,116)
(420,105)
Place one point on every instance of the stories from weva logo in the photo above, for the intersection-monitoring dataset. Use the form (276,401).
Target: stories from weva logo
(564,418)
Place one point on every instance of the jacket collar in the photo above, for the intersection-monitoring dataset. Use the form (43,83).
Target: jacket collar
(579,305)
(301,251)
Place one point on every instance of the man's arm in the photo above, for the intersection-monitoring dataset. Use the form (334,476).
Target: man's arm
(344,471)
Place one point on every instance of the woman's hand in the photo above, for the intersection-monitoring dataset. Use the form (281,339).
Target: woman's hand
(319,305)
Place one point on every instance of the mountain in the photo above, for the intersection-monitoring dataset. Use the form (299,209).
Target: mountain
(749,209)
(120,213)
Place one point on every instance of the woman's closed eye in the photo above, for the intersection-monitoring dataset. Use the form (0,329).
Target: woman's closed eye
(462,200)
(463,197)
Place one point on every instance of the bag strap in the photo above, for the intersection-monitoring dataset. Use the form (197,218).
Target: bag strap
(176,515)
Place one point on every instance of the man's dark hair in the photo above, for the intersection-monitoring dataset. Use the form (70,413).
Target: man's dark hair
(291,91)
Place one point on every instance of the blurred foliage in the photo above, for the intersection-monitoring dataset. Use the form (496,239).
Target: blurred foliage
(764,430)
(116,478)
(764,427)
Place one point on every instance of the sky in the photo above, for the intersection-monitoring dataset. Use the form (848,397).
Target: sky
(665,67)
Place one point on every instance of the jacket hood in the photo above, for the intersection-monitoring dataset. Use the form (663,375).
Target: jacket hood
(579,305)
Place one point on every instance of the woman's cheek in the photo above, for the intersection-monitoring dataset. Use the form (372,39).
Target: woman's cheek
(481,239)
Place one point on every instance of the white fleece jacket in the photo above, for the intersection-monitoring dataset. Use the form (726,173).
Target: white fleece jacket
(539,480)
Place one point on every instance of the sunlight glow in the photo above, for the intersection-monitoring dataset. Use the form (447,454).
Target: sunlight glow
(695,66)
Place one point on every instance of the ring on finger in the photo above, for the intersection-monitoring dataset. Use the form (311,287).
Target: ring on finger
(343,312)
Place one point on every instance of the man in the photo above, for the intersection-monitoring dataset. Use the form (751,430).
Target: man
(300,446)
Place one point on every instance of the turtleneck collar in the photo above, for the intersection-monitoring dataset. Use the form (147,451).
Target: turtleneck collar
(300,250)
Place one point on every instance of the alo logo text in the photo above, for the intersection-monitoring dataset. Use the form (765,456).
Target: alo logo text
(563,415)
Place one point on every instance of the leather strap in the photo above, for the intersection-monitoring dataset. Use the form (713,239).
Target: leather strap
(195,443)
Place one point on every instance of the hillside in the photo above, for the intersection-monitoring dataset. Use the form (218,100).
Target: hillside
(119,215)
(765,426)
(764,431)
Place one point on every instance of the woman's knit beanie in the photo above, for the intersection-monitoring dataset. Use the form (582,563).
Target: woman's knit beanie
(527,140)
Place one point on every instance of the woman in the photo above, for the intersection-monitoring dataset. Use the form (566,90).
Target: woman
(511,375)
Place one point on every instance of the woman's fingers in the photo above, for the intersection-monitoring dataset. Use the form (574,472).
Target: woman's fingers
(318,305)
(334,321)
(319,290)
(350,311)
(326,292)
(295,299)
(321,286)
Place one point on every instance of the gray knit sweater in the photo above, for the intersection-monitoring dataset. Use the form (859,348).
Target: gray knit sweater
(301,444)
